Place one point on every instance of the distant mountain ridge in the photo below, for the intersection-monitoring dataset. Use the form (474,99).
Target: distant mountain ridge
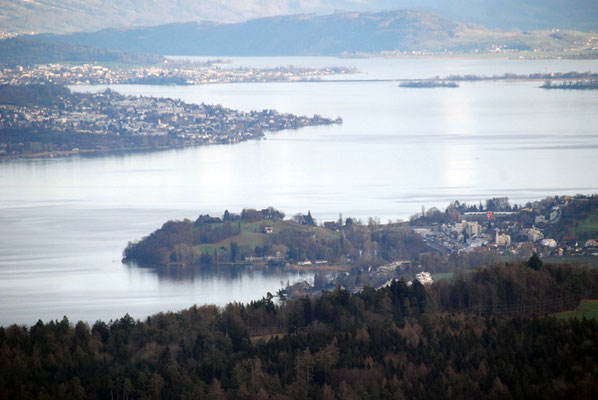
(67,16)
(285,35)
(311,34)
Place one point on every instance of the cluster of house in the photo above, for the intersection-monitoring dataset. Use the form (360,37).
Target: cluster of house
(508,232)
(111,113)
(169,73)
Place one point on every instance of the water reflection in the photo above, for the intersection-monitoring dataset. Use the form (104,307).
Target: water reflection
(225,272)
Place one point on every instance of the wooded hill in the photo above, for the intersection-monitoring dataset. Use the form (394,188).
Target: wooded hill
(398,342)
(267,236)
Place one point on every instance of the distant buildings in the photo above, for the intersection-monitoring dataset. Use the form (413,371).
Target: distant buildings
(177,73)
(424,278)
(502,240)
(549,243)
(534,235)
(518,232)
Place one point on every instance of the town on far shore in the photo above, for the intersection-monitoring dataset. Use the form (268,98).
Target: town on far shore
(541,227)
(169,72)
(48,120)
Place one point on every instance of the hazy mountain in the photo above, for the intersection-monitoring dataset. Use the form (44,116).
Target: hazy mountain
(286,35)
(503,14)
(61,16)
(310,34)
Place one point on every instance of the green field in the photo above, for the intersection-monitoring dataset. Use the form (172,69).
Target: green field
(244,239)
(442,275)
(578,261)
(587,228)
(252,235)
(587,308)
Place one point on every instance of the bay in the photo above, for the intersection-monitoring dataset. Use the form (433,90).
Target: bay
(65,221)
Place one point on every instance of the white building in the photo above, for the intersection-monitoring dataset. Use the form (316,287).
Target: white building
(503,239)
(470,227)
(534,235)
(424,278)
(549,243)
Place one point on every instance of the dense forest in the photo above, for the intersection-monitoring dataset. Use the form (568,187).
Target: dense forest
(266,235)
(397,342)
(516,288)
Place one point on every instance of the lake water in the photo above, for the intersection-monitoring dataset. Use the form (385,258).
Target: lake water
(65,221)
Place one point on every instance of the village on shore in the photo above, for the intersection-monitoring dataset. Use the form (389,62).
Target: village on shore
(170,72)
(132,122)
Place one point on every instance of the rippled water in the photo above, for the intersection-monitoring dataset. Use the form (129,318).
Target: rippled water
(65,221)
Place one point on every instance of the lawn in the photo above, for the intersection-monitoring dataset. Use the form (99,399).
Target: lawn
(578,261)
(587,228)
(587,308)
(442,276)
(252,235)
(244,239)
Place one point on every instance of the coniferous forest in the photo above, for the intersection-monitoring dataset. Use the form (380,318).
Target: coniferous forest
(485,334)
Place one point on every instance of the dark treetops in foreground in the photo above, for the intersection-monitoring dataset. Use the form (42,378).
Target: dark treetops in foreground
(393,343)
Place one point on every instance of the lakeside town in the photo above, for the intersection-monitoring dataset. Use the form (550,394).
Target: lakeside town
(28,114)
(170,72)
(536,227)
(561,229)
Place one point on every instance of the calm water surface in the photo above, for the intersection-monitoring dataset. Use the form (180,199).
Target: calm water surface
(65,221)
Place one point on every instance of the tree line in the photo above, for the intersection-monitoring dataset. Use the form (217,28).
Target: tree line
(397,342)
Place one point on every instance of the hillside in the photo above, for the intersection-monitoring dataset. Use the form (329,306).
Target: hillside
(77,15)
(332,34)
(577,221)
(31,49)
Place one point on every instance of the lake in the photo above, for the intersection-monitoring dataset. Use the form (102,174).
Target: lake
(65,221)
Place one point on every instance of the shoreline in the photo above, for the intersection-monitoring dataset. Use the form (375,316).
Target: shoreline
(314,268)
(90,152)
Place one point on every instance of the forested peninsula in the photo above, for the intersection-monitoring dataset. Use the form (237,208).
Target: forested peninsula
(265,236)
